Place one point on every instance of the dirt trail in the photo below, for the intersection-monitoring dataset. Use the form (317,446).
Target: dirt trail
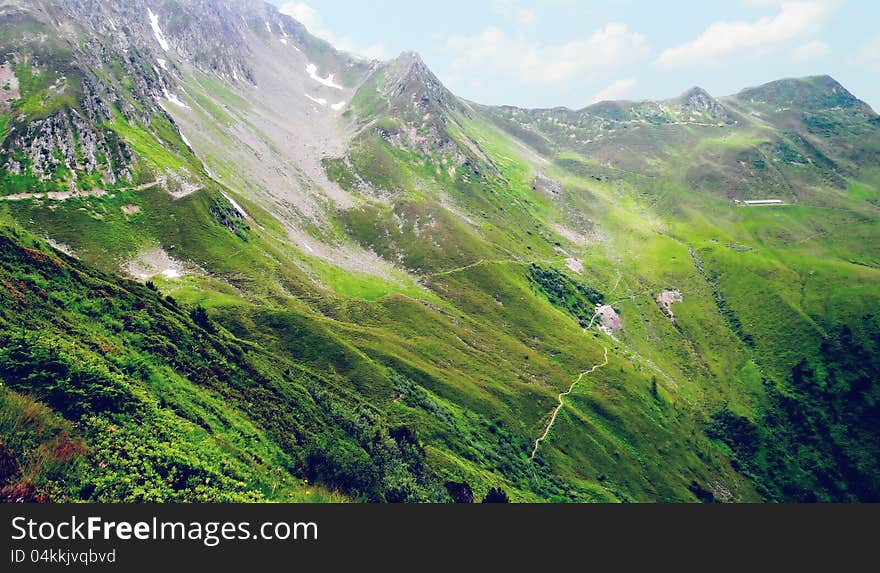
(459,269)
(580,377)
(616,283)
(65,195)
(510,261)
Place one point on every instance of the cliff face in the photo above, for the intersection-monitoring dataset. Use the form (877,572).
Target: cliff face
(86,82)
(71,86)
(70,142)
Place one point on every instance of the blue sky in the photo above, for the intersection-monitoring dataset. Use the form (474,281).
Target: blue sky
(543,53)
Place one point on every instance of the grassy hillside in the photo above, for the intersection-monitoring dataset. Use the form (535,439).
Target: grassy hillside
(113,392)
(411,337)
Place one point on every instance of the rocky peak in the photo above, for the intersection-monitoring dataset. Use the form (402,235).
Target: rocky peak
(698,98)
(209,34)
(422,112)
(409,83)
(698,101)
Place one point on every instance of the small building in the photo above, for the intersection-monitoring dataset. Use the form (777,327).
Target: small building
(759,202)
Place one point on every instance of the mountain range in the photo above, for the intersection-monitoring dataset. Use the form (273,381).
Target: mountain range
(241,265)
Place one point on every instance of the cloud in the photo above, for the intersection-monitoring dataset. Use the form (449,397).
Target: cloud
(616,90)
(724,40)
(305,15)
(311,19)
(494,52)
(811,51)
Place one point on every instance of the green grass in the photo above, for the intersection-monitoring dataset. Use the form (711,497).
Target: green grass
(268,366)
(4,124)
(39,98)
(150,149)
(363,285)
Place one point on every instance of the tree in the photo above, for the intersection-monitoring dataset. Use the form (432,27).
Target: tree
(200,317)
(460,492)
(496,495)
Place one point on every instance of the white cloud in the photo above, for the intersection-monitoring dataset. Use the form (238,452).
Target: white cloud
(811,51)
(616,90)
(311,19)
(723,40)
(306,15)
(494,52)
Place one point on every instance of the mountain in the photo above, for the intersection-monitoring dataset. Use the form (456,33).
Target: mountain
(239,264)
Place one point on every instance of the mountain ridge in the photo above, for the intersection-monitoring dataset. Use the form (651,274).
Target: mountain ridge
(409,280)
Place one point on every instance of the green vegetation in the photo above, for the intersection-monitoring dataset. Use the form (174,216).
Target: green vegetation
(576,298)
(819,438)
(265,372)
(152,422)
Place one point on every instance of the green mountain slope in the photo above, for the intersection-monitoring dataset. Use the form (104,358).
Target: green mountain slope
(151,401)
(400,284)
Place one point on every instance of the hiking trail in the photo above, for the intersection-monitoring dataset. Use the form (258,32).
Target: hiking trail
(580,377)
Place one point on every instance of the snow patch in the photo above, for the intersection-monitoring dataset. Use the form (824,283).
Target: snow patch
(162,64)
(174,99)
(312,70)
(307,246)
(284,39)
(157,31)
(338,106)
(155,262)
(185,140)
(236,206)
(318,100)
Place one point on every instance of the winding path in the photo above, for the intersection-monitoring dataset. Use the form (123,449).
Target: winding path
(509,261)
(65,195)
(459,269)
(559,406)
(616,283)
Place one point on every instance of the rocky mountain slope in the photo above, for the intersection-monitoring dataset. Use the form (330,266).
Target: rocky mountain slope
(372,284)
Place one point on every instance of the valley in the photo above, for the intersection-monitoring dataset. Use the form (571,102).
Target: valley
(241,265)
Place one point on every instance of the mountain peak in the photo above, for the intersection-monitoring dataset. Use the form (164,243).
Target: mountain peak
(409,81)
(408,68)
(696,92)
(814,92)
(409,57)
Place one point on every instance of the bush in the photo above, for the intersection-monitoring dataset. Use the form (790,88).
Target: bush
(64,383)
(496,495)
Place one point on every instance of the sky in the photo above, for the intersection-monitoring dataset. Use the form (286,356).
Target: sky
(547,53)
